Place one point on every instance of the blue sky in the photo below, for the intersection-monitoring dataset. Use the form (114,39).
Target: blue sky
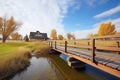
(83,18)
(80,17)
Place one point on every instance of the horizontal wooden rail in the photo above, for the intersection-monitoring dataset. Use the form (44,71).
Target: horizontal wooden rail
(114,49)
(109,36)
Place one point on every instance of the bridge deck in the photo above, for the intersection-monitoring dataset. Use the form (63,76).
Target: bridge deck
(103,60)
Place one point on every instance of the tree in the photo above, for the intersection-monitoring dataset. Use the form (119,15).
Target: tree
(53,34)
(92,35)
(60,37)
(73,36)
(26,38)
(106,29)
(16,36)
(64,38)
(7,27)
(69,36)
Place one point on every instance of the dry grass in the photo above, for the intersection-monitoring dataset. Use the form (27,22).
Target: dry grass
(14,63)
(41,48)
(14,56)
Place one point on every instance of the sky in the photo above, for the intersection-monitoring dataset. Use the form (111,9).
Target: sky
(80,17)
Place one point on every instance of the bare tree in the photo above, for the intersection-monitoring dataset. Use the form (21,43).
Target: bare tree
(73,36)
(16,36)
(8,26)
(70,36)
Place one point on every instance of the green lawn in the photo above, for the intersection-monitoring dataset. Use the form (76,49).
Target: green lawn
(10,48)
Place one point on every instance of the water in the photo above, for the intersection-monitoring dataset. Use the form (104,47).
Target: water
(55,68)
(50,68)
(94,72)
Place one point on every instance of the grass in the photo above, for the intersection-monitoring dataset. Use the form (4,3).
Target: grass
(9,48)
(14,56)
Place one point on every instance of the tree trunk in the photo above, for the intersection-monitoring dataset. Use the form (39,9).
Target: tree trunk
(4,39)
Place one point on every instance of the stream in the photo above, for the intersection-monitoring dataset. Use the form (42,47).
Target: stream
(54,67)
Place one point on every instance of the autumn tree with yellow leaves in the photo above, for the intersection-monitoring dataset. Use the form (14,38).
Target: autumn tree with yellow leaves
(53,34)
(7,26)
(106,29)
(60,37)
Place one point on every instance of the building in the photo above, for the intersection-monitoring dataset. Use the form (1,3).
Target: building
(38,36)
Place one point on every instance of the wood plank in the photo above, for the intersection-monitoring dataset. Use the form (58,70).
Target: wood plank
(112,65)
(103,61)
(98,54)
(118,68)
(105,55)
(108,57)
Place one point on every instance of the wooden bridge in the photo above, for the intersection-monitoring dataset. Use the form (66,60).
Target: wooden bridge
(100,52)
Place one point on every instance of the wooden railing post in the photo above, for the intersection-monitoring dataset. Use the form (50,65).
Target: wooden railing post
(93,50)
(65,46)
(55,45)
(74,44)
(118,45)
(51,44)
(88,45)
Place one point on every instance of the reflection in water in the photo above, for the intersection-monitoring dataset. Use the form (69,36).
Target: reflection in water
(50,68)
(64,72)
(38,70)
(94,72)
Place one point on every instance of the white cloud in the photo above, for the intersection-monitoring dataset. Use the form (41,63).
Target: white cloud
(84,33)
(117,24)
(42,15)
(108,12)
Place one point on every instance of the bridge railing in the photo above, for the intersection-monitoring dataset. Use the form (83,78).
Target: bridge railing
(109,43)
